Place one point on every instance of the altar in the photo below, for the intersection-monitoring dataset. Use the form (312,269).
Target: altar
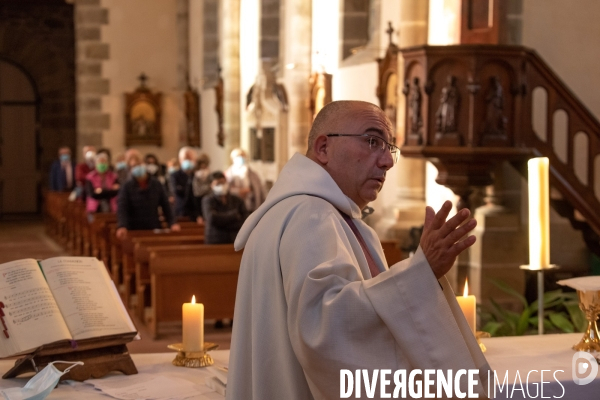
(523,367)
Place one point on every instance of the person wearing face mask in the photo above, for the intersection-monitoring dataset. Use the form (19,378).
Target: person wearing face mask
(101,186)
(156,170)
(121,168)
(140,198)
(201,182)
(244,182)
(85,167)
(224,213)
(62,171)
(181,184)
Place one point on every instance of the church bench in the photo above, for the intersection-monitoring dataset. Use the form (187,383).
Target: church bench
(141,257)
(126,270)
(97,228)
(209,272)
(55,204)
(392,251)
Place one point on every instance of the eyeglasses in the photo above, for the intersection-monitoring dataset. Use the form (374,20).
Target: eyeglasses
(375,143)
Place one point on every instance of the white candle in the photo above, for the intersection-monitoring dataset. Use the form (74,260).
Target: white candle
(539,213)
(468,305)
(193,326)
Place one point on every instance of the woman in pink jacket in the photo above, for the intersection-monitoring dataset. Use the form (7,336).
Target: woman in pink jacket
(102,186)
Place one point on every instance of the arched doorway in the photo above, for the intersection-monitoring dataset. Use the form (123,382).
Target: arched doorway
(19,142)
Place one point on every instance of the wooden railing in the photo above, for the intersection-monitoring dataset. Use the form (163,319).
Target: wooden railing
(470,107)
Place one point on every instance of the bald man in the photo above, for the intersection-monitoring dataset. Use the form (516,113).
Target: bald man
(315,295)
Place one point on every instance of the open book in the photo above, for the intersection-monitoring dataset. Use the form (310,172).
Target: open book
(58,299)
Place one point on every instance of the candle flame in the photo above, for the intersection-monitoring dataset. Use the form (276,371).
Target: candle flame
(193,299)
(466,291)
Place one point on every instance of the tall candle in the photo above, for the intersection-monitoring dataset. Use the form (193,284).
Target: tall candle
(539,214)
(468,305)
(193,326)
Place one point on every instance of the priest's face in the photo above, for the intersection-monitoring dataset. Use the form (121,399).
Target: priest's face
(356,164)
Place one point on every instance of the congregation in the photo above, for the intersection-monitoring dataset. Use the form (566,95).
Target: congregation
(146,194)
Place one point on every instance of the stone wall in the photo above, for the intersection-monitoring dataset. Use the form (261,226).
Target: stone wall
(91,52)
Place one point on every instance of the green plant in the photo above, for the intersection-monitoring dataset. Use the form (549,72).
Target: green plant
(561,314)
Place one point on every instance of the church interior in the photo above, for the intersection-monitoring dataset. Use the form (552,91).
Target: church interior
(474,89)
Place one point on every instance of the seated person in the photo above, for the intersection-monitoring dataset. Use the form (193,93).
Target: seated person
(223,212)
(101,186)
(139,200)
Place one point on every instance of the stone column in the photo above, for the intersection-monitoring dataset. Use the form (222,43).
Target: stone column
(295,56)
(230,64)
(183,63)
(91,86)
(410,203)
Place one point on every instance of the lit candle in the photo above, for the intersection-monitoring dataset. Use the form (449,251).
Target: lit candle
(539,214)
(193,326)
(468,305)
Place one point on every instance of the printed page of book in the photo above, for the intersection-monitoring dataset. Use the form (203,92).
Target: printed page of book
(84,294)
(31,316)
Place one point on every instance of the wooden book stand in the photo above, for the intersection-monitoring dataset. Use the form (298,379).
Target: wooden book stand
(99,355)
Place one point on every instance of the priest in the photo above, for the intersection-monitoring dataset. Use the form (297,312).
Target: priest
(315,295)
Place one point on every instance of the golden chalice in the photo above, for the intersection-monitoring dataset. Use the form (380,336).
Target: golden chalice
(589,302)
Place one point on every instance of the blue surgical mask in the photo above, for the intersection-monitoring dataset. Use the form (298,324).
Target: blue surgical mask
(41,385)
(121,165)
(139,171)
(239,161)
(65,158)
(187,165)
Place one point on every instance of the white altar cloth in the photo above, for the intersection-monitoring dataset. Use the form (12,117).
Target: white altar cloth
(506,356)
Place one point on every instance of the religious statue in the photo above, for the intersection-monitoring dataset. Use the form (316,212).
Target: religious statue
(446,113)
(495,121)
(415,98)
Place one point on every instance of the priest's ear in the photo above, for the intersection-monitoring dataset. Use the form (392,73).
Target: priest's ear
(319,150)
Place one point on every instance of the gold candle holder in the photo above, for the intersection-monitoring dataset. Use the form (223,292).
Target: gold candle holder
(589,303)
(193,359)
(479,335)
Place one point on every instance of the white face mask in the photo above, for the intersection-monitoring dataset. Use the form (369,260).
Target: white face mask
(41,385)
(152,168)
(221,190)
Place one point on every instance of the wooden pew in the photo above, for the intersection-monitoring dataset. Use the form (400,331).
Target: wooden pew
(127,245)
(392,251)
(55,208)
(209,272)
(98,231)
(141,257)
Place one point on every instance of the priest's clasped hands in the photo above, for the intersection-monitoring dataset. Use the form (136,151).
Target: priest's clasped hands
(442,241)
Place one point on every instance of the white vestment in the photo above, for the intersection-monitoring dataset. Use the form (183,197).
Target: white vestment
(307,307)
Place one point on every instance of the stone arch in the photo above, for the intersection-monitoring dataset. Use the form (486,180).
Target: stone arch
(40,38)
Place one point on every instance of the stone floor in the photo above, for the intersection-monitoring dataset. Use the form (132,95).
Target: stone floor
(27,239)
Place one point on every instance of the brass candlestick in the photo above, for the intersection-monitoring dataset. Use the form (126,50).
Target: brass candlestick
(193,359)
(589,302)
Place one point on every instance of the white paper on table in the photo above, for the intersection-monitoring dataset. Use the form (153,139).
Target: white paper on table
(582,283)
(155,388)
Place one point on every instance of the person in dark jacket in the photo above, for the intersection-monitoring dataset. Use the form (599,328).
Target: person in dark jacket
(224,213)
(62,171)
(181,182)
(139,200)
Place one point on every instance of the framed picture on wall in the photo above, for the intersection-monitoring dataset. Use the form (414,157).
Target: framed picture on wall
(143,116)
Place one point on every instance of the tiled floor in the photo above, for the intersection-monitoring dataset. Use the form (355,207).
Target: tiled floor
(27,239)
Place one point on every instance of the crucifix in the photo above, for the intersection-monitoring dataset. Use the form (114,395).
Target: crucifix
(390,31)
(142,78)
